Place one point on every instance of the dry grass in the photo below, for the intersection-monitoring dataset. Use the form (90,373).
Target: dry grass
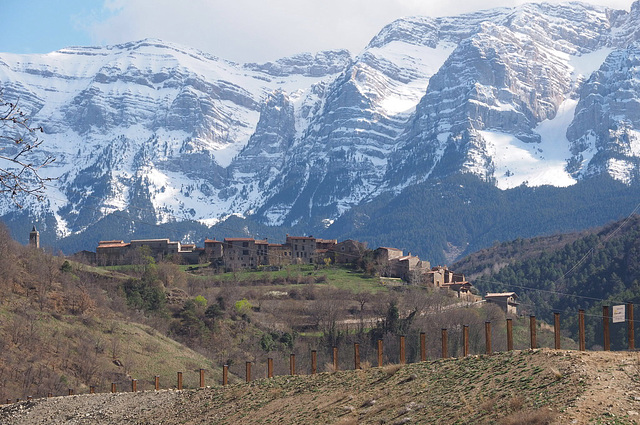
(530,417)
(556,373)
(516,403)
(391,369)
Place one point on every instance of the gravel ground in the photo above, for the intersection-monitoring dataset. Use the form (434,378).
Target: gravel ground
(563,387)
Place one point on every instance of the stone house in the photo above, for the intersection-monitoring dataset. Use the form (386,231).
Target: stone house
(213,249)
(506,300)
(279,255)
(159,248)
(347,251)
(303,249)
(111,253)
(239,253)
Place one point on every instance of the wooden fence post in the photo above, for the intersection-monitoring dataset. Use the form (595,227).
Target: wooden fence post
(269,367)
(630,325)
(157,382)
(556,330)
(423,347)
(201,378)
(248,371)
(605,327)
(532,331)
(314,362)
(92,389)
(581,332)
(335,359)
(509,334)
(113,387)
(380,353)
(292,364)
(356,356)
(70,391)
(134,385)
(179,380)
(403,358)
(445,344)
(49,395)
(487,337)
(465,340)
(225,374)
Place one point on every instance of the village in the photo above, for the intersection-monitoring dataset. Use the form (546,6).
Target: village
(235,254)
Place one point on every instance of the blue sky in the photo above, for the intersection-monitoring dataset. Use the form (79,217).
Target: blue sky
(239,30)
(42,26)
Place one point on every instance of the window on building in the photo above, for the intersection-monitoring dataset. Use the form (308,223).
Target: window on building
(245,252)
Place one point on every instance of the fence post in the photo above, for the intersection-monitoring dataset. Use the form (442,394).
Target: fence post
(509,334)
(29,398)
(113,387)
(201,378)
(225,374)
(556,330)
(248,371)
(403,358)
(605,327)
(487,337)
(581,337)
(356,356)
(314,362)
(49,395)
(269,367)
(70,391)
(134,385)
(380,353)
(292,364)
(630,324)
(445,344)
(423,347)
(157,382)
(179,380)
(335,359)
(532,331)
(92,389)
(465,340)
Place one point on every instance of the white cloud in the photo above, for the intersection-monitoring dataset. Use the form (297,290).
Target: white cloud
(261,30)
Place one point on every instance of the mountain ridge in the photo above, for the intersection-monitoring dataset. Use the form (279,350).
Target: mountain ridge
(502,94)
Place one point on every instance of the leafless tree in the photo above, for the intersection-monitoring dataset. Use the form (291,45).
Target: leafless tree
(18,174)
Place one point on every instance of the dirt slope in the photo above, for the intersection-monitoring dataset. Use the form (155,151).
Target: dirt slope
(533,386)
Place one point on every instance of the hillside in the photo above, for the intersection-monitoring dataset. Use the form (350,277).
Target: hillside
(520,387)
(65,325)
(565,273)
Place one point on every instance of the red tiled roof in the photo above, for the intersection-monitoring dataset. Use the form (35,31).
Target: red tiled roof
(239,239)
(211,241)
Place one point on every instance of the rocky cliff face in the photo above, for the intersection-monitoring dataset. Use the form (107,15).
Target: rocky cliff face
(508,94)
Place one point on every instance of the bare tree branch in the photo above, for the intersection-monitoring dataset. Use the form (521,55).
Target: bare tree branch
(18,139)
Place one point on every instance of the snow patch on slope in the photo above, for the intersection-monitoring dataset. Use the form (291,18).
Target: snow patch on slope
(534,164)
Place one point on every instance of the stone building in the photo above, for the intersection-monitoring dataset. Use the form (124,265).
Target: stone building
(111,253)
(303,249)
(239,253)
(34,238)
(506,300)
(347,251)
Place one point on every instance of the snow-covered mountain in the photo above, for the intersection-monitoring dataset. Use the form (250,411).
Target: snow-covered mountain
(536,94)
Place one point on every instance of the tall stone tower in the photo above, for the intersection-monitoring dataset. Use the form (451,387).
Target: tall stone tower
(34,238)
